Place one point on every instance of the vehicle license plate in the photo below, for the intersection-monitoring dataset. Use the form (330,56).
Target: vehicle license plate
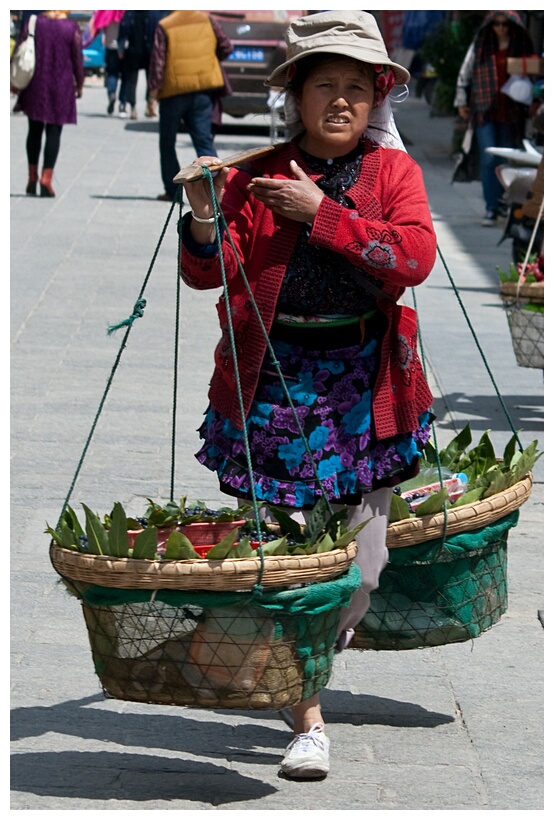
(247,55)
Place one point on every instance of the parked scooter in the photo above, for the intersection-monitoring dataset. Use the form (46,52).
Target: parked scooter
(517,176)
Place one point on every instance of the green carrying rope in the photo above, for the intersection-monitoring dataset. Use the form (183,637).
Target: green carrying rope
(138,312)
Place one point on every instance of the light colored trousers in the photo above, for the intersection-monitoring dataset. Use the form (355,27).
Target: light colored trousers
(371,558)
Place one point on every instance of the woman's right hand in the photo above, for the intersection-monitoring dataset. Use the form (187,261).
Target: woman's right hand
(463,111)
(199,193)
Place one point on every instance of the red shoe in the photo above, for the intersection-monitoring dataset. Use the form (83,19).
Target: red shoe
(31,189)
(46,182)
(164,198)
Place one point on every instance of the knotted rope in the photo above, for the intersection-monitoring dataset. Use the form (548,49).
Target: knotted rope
(138,312)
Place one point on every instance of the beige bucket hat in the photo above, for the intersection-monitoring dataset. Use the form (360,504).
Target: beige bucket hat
(349,33)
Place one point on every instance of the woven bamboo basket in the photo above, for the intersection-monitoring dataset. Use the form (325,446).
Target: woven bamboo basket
(229,574)
(264,649)
(412,531)
(205,633)
(528,292)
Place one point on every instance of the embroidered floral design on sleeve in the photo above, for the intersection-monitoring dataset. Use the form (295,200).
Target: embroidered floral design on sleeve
(379,251)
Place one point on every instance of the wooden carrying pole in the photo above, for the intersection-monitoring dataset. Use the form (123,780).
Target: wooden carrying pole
(192,173)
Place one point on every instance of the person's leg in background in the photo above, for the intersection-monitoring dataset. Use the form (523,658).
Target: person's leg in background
(32,147)
(112,77)
(507,136)
(151,105)
(130,81)
(198,118)
(122,88)
(171,111)
(488,136)
(51,151)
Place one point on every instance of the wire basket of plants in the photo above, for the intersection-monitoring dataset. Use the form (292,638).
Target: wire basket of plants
(522,292)
(447,576)
(192,606)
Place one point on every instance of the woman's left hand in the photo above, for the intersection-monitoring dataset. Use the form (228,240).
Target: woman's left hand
(297,198)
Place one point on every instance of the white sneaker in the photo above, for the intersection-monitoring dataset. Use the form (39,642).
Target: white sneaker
(308,754)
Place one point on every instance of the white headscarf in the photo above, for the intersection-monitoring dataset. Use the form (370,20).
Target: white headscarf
(382,126)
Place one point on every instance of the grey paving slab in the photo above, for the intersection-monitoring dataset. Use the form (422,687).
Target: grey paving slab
(458,727)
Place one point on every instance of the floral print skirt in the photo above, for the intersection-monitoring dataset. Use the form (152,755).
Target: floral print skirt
(330,400)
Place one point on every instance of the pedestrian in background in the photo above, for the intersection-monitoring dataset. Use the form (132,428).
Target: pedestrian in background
(497,119)
(49,101)
(186,78)
(331,229)
(108,23)
(153,19)
(136,39)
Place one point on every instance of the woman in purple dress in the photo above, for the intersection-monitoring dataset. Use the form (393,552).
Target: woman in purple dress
(49,99)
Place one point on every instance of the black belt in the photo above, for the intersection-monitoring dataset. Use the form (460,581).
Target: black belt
(327,337)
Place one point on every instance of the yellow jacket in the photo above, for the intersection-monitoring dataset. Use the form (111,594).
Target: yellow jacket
(191,63)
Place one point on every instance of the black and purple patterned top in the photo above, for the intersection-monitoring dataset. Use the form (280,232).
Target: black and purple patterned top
(319,282)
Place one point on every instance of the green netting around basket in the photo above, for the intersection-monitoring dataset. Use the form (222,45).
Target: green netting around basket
(437,593)
(243,650)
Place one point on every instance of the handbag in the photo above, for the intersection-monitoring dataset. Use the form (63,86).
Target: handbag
(22,66)
(468,165)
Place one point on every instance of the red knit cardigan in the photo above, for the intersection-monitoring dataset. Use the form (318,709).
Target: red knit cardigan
(388,233)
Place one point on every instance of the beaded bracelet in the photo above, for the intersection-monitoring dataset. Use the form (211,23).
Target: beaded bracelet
(209,221)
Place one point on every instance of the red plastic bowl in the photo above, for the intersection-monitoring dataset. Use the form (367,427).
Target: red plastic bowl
(207,532)
(202,535)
